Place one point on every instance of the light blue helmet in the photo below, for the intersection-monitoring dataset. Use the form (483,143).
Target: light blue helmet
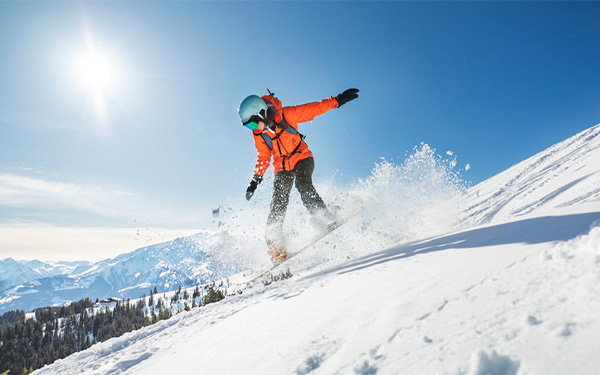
(251,106)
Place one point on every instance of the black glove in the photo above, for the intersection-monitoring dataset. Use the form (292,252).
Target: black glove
(252,187)
(346,96)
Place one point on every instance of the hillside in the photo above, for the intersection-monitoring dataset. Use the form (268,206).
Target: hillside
(563,175)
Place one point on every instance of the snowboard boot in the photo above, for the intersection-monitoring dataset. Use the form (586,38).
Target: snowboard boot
(278,254)
(325,219)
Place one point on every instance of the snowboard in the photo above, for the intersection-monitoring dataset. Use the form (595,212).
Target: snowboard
(307,246)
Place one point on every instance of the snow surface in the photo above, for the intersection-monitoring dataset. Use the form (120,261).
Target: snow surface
(503,280)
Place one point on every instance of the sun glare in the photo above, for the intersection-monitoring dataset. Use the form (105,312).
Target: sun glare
(96,73)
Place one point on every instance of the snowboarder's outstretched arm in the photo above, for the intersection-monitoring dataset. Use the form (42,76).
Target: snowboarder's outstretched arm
(307,112)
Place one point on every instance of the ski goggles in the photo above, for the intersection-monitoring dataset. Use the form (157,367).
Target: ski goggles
(252,123)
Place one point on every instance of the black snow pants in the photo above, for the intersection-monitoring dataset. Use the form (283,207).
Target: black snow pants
(282,186)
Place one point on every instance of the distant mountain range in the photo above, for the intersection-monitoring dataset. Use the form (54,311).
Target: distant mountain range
(185,262)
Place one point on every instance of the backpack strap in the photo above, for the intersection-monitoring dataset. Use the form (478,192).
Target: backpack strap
(267,140)
(290,129)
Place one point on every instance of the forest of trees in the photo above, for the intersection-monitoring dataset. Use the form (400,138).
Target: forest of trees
(57,332)
(12,317)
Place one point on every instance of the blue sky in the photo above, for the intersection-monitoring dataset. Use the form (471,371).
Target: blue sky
(159,144)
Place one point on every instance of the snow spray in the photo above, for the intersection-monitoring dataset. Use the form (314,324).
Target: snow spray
(398,203)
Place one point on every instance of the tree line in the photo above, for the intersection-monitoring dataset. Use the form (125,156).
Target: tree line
(57,332)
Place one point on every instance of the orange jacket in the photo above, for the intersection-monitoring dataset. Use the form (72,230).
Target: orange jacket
(288,149)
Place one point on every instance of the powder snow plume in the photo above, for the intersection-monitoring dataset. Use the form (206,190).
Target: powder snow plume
(396,203)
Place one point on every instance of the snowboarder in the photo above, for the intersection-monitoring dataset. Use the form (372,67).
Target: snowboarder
(275,132)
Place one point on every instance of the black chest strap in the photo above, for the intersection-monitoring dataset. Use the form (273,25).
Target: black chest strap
(269,141)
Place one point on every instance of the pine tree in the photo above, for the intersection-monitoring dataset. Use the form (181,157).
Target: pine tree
(213,295)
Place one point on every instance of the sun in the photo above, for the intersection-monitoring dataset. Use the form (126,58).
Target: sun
(96,71)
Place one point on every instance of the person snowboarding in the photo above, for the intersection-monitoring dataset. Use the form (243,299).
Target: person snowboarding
(275,132)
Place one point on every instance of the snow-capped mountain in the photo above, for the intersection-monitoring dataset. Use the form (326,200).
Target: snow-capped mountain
(514,292)
(13,273)
(182,262)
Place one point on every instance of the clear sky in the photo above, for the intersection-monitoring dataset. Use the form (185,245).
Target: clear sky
(116,116)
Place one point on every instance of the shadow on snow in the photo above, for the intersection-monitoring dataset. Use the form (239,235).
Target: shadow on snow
(528,231)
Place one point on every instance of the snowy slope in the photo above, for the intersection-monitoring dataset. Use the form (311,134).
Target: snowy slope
(560,176)
(517,292)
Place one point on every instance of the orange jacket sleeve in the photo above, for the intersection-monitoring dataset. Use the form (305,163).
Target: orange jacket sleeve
(264,154)
(307,112)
